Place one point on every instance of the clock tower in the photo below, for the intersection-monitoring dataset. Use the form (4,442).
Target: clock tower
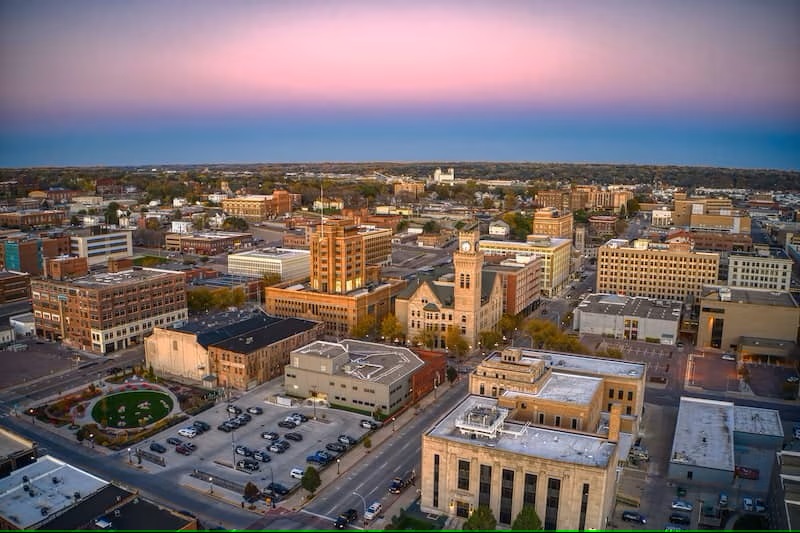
(468,264)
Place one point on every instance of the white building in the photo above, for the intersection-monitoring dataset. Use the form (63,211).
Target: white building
(625,317)
(178,202)
(182,226)
(289,263)
(217,197)
(499,228)
(765,269)
(445,178)
(662,217)
(99,248)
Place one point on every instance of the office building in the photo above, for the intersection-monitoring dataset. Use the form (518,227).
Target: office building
(654,270)
(27,254)
(14,286)
(625,317)
(357,375)
(552,222)
(521,279)
(207,243)
(555,254)
(286,263)
(101,247)
(103,313)
(258,207)
(766,268)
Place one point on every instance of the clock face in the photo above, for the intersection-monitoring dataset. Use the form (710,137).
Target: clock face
(465,246)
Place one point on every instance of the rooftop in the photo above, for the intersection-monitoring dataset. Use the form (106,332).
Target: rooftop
(749,296)
(615,304)
(570,388)
(579,363)
(534,242)
(216,235)
(51,488)
(11,443)
(757,421)
(271,253)
(519,438)
(278,330)
(704,434)
(123,277)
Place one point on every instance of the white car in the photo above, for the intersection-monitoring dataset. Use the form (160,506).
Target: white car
(296,473)
(747,504)
(187,432)
(373,511)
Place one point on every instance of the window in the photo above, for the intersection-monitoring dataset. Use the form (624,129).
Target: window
(485,485)
(463,474)
(630,396)
(574,423)
(620,394)
(558,421)
(584,502)
(506,496)
(529,490)
(551,508)
(611,393)
(436,480)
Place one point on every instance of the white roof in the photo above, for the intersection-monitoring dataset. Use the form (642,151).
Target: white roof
(570,388)
(519,438)
(704,434)
(579,363)
(757,420)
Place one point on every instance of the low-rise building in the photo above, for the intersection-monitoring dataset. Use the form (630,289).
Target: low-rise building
(553,222)
(365,376)
(554,252)
(99,248)
(766,268)
(290,265)
(207,243)
(31,217)
(258,207)
(626,317)
(14,286)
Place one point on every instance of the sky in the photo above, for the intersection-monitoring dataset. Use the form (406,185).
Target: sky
(120,82)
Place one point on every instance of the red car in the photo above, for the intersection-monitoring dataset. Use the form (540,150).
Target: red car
(747,473)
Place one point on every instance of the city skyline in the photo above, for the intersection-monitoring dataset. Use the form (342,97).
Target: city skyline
(118,83)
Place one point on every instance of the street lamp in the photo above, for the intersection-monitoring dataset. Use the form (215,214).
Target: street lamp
(130,461)
(393,419)
(364,502)
(211,485)
(91,439)
(314,400)
(338,462)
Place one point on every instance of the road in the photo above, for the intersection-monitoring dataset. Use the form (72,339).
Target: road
(371,476)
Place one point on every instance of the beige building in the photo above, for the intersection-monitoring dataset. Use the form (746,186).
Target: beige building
(756,323)
(469,300)
(552,222)
(709,214)
(654,270)
(555,254)
(764,269)
(258,207)
(102,247)
(358,375)
(535,431)
(288,264)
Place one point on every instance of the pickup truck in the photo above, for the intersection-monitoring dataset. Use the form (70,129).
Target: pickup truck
(401,482)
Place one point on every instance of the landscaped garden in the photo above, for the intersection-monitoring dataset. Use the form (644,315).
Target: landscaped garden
(132,409)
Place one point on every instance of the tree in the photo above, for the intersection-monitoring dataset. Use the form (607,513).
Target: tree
(488,202)
(251,491)
(508,323)
(111,213)
(509,201)
(456,343)
(452,373)
(74,220)
(633,206)
(235,224)
(310,480)
(391,327)
(401,226)
(269,279)
(489,338)
(425,337)
(527,520)
(199,299)
(364,327)
(152,223)
(481,519)
(431,226)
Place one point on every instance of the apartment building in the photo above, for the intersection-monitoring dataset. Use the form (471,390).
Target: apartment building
(542,429)
(103,246)
(654,270)
(409,188)
(14,286)
(31,217)
(207,243)
(103,313)
(553,222)
(258,207)
(288,264)
(555,254)
(357,375)
(766,268)
(27,254)
(521,279)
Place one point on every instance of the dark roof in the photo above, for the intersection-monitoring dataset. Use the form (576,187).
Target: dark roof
(444,293)
(88,510)
(280,329)
(214,328)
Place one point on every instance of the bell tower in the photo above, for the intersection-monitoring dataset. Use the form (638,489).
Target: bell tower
(468,265)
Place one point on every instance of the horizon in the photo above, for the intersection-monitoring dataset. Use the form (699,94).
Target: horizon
(665,83)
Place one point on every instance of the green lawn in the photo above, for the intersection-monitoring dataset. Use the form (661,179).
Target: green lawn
(131,409)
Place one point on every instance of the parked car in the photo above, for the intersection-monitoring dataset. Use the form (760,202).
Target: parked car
(633,516)
(175,441)
(233,423)
(225,428)
(248,464)
(347,517)
(183,449)
(244,450)
(277,488)
(244,417)
(369,424)
(373,511)
(745,472)
(325,455)
(200,425)
(277,448)
(747,504)
(157,447)
(728,357)
(679,518)
(347,440)
(234,409)
(681,505)
(255,410)
(299,416)
(270,435)
(296,473)
(187,432)
(262,456)
(761,505)
(288,424)
(723,499)
(316,459)
(336,447)
(297,437)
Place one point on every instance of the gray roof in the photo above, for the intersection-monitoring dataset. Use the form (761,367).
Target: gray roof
(277,330)
(615,304)
(752,296)
(444,291)
(214,328)
(704,434)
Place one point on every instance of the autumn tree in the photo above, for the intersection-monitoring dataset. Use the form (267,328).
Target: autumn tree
(364,327)
(391,328)
(456,343)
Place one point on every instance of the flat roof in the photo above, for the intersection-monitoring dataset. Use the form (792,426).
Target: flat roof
(19,508)
(280,329)
(123,277)
(543,241)
(638,306)
(751,296)
(271,253)
(11,443)
(579,363)
(216,235)
(704,434)
(757,421)
(570,388)
(524,439)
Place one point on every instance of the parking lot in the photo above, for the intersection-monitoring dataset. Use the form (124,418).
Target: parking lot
(713,373)
(215,450)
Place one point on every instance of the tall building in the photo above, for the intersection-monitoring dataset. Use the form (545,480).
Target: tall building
(555,254)
(344,286)
(28,254)
(102,247)
(552,222)
(521,279)
(766,268)
(288,264)
(654,270)
(104,313)
(471,301)
(539,428)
